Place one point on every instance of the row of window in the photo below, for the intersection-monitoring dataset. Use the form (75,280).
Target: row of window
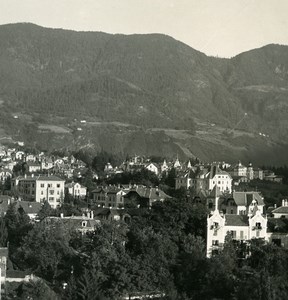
(49,185)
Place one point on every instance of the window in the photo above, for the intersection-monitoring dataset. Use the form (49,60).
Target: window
(258,225)
(42,193)
(51,198)
(215,243)
(233,234)
(49,185)
(58,185)
(257,233)
(232,212)
(219,182)
(42,185)
(241,235)
(84,223)
(51,192)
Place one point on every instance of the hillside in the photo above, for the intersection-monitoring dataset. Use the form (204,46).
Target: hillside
(140,93)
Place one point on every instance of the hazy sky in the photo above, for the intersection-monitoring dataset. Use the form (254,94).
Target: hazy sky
(215,27)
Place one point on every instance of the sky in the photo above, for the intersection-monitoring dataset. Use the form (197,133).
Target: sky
(221,28)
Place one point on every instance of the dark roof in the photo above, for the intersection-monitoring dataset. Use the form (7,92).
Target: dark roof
(245,198)
(29,207)
(16,274)
(41,177)
(280,210)
(236,220)
(149,193)
(107,189)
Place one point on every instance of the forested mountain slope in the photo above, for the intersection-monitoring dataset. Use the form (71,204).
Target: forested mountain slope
(140,93)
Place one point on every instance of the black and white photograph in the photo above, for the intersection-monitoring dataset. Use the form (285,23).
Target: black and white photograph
(143,149)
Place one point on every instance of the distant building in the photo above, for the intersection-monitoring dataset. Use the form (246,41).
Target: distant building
(39,189)
(145,196)
(76,190)
(33,167)
(282,211)
(240,227)
(83,224)
(109,196)
(152,167)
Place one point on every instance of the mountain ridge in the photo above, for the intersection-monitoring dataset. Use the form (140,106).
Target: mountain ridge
(54,76)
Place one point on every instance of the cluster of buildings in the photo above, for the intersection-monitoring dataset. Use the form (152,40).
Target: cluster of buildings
(67,167)
(241,214)
(205,177)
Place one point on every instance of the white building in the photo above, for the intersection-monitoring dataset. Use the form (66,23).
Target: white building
(76,190)
(152,167)
(241,228)
(218,177)
(282,211)
(39,189)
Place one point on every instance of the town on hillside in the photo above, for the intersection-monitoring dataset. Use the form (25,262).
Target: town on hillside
(53,191)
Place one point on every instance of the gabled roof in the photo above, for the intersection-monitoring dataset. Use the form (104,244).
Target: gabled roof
(41,178)
(245,198)
(29,207)
(236,220)
(149,193)
(280,210)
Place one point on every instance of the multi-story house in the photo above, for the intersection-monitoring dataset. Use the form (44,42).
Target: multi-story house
(258,174)
(242,203)
(39,189)
(144,196)
(152,167)
(240,227)
(218,177)
(183,180)
(76,190)
(33,167)
(205,179)
(109,196)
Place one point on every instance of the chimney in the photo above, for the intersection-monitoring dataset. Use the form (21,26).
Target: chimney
(283,202)
(61,215)
(32,175)
(275,205)
(92,214)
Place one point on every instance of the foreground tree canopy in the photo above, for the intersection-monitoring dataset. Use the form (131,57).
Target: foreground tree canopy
(162,250)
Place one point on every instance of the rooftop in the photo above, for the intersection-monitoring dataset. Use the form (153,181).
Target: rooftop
(236,220)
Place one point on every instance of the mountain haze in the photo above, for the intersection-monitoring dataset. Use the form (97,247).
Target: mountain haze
(146,94)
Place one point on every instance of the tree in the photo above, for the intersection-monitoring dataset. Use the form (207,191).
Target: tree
(45,211)
(3,232)
(46,251)
(36,290)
